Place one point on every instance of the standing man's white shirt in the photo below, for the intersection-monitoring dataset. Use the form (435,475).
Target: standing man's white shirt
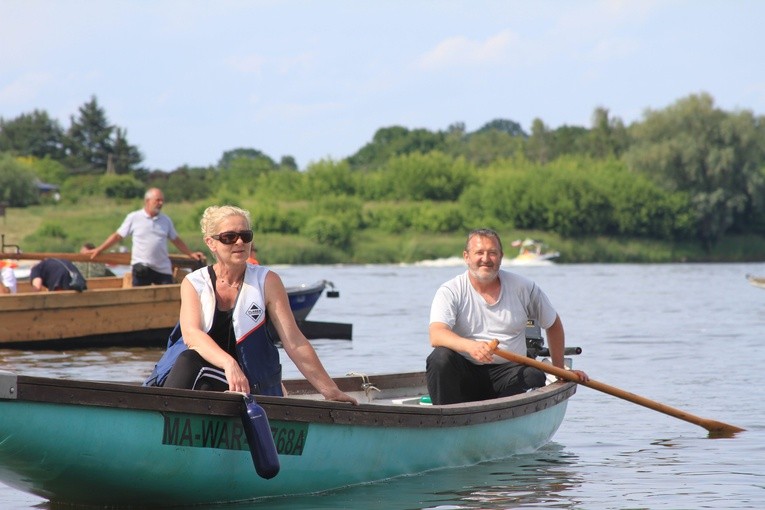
(150,235)
(458,305)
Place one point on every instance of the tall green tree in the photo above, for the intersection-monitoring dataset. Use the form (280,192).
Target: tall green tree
(715,156)
(510,127)
(185,183)
(570,140)
(539,146)
(89,139)
(488,145)
(125,157)
(92,143)
(32,134)
(396,141)
(608,136)
(228,157)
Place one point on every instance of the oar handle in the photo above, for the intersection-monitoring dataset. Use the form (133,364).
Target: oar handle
(716,428)
(105,258)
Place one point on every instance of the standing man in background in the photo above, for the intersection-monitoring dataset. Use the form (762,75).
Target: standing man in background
(150,229)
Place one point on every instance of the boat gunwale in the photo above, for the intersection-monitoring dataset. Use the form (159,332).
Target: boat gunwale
(306,288)
(132,396)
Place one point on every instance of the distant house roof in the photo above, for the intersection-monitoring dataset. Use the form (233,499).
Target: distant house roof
(44,187)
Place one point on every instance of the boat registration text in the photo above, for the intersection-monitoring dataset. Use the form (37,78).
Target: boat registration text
(228,433)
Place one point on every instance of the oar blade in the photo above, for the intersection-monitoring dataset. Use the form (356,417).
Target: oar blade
(720,430)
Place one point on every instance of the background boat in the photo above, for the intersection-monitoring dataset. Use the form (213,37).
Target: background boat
(531,253)
(111,312)
(757,281)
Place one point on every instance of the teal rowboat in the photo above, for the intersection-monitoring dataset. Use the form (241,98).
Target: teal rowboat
(86,442)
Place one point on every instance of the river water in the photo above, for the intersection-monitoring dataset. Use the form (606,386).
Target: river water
(687,335)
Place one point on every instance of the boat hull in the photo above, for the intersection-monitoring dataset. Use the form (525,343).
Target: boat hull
(533,259)
(106,444)
(109,314)
(304,297)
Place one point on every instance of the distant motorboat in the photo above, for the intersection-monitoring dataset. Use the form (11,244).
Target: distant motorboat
(531,253)
(757,281)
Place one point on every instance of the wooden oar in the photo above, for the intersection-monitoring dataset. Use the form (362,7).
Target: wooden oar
(715,428)
(105,258)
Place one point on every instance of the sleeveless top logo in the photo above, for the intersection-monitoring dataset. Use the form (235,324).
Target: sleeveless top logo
(254,312)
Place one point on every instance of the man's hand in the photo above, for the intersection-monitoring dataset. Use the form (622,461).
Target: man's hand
(482,352)
(580,374)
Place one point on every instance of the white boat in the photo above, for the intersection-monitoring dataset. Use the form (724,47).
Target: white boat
(531,253)
(757,281)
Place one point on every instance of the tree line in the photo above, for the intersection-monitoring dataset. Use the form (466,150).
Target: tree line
(691,171)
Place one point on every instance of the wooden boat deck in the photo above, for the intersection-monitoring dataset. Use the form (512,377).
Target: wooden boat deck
(112,312)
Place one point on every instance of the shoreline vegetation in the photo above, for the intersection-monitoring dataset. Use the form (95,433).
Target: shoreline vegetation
(64,227)
(683,184)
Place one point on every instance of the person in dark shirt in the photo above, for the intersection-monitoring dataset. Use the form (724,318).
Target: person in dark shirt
(53,274)
(92,269)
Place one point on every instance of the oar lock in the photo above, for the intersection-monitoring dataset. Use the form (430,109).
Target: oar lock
(367,386)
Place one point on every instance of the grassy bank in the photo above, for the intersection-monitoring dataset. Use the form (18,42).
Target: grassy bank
(64,227)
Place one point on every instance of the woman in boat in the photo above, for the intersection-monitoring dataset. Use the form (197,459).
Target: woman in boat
(222,340)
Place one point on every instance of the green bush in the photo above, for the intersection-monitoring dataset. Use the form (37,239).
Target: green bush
(392,218)
(121,186)
(79,186)
(17,183)
(438,217)
(329,177)
(52,237)
(329,231)
(432,176)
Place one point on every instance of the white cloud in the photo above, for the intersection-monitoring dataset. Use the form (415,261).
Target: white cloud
(24,89)
(248,64)
(256,63)
(460,51)
(296,110)
(612,48)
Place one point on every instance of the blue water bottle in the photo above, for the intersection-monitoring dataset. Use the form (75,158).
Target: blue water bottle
(258,432)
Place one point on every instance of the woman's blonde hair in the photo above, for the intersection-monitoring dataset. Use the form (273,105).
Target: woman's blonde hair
(214,215)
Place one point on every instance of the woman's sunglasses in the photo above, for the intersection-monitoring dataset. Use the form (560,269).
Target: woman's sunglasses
(231,237)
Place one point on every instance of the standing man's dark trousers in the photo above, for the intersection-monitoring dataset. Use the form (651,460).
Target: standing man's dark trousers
(452,378)
(143,275)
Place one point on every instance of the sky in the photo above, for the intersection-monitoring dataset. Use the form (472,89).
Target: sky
(191,79)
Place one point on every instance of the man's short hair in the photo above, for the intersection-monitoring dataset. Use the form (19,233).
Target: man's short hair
(484,232)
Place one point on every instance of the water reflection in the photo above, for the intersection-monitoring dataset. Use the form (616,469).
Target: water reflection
(128,364)
(543,478)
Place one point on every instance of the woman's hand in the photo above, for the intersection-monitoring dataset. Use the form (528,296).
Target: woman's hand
(237,381)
